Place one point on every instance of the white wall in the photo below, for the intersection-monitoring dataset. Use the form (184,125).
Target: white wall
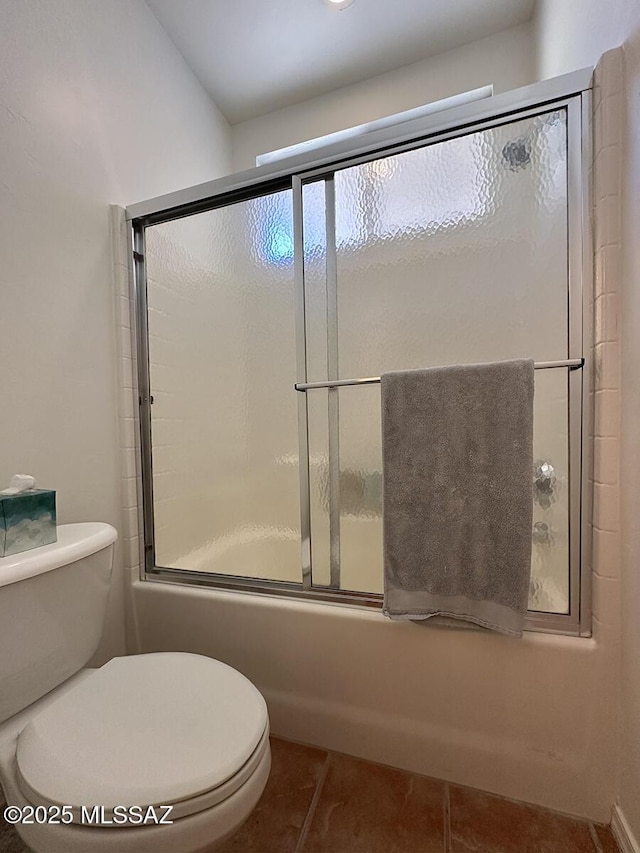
(571,34)
(505,59)
(96,107)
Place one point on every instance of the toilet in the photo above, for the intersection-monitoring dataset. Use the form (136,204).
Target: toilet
(149,753)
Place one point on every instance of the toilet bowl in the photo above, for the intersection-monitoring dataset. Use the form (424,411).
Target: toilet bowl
(149,753)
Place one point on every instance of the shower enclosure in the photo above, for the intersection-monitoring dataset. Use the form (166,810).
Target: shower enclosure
(264,299)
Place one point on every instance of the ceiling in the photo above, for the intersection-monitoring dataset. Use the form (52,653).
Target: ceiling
(255,56)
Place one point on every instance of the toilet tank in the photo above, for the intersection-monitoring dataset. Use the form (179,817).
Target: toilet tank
(53,603)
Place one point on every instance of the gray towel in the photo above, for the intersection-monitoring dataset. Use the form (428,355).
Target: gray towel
(457,447)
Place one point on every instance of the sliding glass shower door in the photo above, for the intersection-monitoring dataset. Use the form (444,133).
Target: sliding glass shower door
(222,356)
(463,248)
(446,254)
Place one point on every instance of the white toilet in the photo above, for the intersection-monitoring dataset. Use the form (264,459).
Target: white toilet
(167,729)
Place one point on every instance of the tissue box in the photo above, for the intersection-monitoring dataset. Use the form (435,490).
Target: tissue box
(27,520)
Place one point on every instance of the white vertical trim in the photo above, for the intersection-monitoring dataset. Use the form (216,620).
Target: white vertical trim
(333,372)
(301,371)
(622,832)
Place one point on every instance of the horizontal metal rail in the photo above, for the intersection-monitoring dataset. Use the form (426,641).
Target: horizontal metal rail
(571,363)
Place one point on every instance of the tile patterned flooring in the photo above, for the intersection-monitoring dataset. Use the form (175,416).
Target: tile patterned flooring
(323,802)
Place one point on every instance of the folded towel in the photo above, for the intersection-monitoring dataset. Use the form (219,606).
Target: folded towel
(457,447)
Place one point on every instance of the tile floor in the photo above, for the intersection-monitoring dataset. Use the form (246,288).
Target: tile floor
(323,802)
(319,802)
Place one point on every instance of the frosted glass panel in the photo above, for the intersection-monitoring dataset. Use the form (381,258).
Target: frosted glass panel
(360,489)
(550,535)
(222,365)
(318,431)
(456,252)
(453,253)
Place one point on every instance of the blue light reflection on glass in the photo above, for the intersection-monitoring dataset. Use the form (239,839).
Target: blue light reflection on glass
(280,245)
(274,216)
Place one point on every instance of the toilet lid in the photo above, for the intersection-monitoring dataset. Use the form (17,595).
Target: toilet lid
(146,729)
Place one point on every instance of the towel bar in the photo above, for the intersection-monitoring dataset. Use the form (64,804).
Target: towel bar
(571,363)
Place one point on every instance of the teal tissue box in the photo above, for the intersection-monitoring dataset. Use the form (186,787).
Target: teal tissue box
(27,520)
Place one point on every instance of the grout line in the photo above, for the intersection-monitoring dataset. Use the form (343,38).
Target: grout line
(447,819)
(595,839)
(312,805)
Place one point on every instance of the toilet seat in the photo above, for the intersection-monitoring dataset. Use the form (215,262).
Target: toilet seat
(157,729)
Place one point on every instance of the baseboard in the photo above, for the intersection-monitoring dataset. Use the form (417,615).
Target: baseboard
(622,831)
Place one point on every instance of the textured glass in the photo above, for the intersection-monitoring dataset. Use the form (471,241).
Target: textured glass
(550,535)
(318,431)
(453,253)
(360,489)
(456,252)
(223,365)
